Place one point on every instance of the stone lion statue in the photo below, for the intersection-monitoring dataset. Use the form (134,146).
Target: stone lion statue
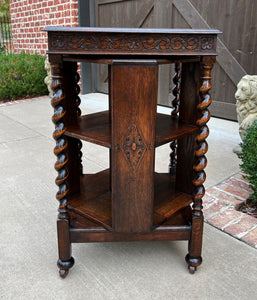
(48,79)
(246,102)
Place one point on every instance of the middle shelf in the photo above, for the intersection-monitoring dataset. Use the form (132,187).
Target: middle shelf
(96,128)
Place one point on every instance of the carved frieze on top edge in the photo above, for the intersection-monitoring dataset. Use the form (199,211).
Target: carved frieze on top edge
(123,43)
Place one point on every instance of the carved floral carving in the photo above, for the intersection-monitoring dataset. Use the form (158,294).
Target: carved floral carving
(131,42)
(134,146)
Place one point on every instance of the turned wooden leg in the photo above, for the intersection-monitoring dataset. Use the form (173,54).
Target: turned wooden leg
(194,258)
(65,261)
(67,150)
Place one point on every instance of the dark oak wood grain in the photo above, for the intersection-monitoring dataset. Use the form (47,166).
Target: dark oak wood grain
(167,201)
(194,258)
(96,128)
(129,201)
(169,128)
(95,203)
(133,137)
(174,234)
(130,41)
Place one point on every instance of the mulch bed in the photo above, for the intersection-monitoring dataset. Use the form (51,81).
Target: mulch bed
(249,207)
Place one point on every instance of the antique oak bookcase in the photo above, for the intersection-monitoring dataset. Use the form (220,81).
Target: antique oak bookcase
(130,201)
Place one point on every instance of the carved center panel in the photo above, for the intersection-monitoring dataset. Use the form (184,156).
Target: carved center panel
(134,147)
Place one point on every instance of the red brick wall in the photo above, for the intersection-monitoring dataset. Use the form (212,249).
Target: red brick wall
(29,17)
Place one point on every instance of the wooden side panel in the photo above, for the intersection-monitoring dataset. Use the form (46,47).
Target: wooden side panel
(133,102)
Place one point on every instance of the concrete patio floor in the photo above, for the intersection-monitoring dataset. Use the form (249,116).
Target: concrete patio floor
(139,270)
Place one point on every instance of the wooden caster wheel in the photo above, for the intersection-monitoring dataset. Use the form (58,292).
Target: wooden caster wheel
(192,269)
(193,263)
(64,266)
(63,273)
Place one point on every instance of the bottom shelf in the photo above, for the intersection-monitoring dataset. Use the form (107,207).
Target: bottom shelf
(94,206)
(94,200)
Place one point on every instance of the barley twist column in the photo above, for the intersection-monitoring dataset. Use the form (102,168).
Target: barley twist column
(60,149)
(194,258)
(174,113)
(202,146)
(65,260)
(78,111)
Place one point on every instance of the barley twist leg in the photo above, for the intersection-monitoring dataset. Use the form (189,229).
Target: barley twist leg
(194,258)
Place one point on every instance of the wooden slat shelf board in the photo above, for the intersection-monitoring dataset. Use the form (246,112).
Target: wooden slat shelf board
(78,221)
(96,128)
(167,201)
(180,218)
(168,128)
(94,201)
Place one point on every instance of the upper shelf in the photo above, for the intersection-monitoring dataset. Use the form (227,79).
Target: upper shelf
(96,128)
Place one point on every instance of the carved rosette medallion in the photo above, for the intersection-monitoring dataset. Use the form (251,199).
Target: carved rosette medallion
(134,147)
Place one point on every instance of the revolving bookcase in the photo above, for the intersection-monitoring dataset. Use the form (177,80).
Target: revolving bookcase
(130,201)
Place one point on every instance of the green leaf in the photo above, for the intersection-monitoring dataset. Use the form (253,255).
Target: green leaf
(249,158)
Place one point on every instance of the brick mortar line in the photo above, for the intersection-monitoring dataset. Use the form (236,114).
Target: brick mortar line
(229,184)
(223,209)
(210,203)
(230,194)
(224,202)
(234,221)
(228,206)
(242,234)
(238,179)
(225,179)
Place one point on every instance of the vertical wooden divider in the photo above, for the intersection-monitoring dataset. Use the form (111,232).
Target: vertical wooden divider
(133,102)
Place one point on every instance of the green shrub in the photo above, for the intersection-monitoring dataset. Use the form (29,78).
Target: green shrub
(2,49)
(22,75)
(4,7)
(249,158)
